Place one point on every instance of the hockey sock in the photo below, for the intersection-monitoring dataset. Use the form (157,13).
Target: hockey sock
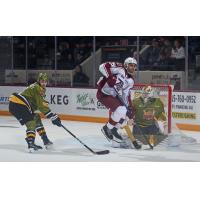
(41,131)
(30,135)
(111,124)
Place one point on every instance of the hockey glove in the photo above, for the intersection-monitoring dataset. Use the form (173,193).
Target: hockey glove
(56,120)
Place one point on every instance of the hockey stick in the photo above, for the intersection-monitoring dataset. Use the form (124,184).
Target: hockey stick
(94,152)
(144,136)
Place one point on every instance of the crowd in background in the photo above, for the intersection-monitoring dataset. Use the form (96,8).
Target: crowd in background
(164,54)
(70,52)
(156,53)
(161,53)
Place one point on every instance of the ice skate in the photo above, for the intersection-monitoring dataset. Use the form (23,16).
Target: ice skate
(107,133)
(47,143)
(32,147)
(116,136)
(136,145)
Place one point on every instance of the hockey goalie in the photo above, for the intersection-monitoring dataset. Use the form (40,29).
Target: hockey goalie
(150,117)
(149,122)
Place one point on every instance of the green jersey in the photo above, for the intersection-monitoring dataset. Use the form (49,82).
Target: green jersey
(35,94)
(147,113)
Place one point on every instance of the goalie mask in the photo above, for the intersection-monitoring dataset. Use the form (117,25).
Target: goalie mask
(130,64)
(147,93)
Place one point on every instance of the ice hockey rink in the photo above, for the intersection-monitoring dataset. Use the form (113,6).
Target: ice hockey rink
(66,148)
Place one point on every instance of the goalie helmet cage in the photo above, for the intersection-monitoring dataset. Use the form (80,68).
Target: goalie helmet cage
(164,92)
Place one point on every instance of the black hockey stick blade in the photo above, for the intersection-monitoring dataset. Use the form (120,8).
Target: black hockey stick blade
(102,152)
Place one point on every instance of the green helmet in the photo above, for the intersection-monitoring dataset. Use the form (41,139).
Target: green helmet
(42,76)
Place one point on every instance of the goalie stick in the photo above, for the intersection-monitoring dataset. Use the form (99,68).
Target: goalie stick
(94,152)
(144,136)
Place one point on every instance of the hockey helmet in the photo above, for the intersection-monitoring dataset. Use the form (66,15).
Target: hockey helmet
(130,65)
(42,76)
(129,60)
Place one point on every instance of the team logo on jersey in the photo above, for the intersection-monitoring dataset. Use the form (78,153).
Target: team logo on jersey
(148,114)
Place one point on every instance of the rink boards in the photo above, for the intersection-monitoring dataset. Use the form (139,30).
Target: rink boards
(81,104)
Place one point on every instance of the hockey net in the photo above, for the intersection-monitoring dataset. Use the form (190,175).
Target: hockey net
(164,92)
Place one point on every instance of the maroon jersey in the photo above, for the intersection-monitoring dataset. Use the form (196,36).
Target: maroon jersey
(115,77)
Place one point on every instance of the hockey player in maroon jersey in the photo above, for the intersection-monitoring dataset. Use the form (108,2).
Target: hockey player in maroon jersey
(117,79)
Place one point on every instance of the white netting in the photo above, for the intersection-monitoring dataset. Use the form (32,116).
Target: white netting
(177,138)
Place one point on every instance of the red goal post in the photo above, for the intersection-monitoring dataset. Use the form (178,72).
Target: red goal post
(164,92)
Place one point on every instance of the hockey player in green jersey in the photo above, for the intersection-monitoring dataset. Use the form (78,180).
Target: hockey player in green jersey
(25,106)
(150,118)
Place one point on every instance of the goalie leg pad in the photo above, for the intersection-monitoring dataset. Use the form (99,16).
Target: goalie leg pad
(151,132)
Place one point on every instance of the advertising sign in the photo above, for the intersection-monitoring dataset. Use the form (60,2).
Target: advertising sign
(83,102)
(185,107)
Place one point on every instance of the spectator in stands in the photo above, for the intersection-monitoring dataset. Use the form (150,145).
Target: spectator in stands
(76,50)
(66,49)
(69,62)
(78,58)
(135,55)
(178,51)
(153,53)
(162,40)
(178,55)
(165,52)
(80,79)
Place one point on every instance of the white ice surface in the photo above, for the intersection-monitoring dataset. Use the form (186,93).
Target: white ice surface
(14,148)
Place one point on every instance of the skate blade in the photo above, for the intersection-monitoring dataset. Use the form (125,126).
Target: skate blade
(117,140)
(49,147)
(31,150)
